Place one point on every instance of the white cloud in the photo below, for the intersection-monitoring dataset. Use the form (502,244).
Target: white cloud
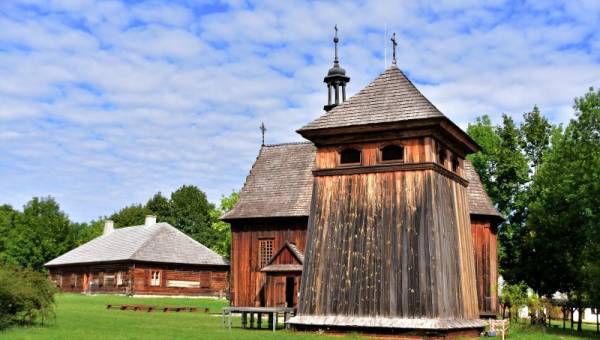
(103,103)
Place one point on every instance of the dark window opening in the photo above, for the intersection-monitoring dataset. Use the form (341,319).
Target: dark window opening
(455,164)
(289,291)
(441,155)
(392,153)
(350,156)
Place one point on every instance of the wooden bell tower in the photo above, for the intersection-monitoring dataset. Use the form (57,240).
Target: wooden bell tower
(389,245)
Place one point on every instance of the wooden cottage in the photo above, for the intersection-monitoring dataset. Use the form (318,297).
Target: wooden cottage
(388,219)
(151,259)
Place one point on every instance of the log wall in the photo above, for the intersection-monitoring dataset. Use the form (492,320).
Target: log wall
(486,264)
(180,280)
(135,278)
(248,282)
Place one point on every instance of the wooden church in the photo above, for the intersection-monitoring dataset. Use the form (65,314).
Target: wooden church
(379,223)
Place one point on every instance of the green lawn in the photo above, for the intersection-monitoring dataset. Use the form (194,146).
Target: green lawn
(86,317)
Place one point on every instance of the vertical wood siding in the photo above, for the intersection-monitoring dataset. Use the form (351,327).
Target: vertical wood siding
(486,265)
(248,282)
(400,244)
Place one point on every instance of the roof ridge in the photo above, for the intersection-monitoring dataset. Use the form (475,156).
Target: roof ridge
(288,143)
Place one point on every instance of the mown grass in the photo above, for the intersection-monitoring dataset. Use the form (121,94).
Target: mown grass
(86,317)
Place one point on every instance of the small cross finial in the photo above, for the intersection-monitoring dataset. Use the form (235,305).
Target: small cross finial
(263,129)
(394,44)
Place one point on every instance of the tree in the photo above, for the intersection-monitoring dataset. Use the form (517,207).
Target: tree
(7,217)
(222,228)
(565,208)
(161,207)
(134,214)
(484,133)
(38,234)
(535,136)
(191,214)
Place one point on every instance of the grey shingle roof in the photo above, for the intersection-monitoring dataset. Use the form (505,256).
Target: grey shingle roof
(159,242)
(279,183)
(391,97)
(479,201)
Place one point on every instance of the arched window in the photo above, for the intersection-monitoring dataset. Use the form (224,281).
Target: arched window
(350,156)
(455,163)
(441,155)
(392,153)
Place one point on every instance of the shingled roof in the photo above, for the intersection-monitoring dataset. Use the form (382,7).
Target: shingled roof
(479,201)
(279,184)
(391,97)
(159,242)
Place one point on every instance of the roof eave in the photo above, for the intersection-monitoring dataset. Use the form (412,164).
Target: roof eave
(320,135)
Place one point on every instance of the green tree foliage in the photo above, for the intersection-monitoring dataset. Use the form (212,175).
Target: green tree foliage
(221,228)
(504,173)
(536,131)
(190,211)
(26,297)
(7,217)
(565,209)
(513,297)
(485,161)
(160,206)
(38,234)
(134,214)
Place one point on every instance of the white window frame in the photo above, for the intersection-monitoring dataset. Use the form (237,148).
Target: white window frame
(155,278)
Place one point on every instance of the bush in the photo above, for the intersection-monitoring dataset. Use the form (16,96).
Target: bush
(26,297)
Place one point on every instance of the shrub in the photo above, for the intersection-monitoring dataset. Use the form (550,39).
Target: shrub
(26,297)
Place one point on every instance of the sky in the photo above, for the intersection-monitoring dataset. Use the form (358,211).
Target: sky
(105,103)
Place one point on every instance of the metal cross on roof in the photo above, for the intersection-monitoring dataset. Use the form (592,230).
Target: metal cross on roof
(394,44)
(335,42)
(263,129)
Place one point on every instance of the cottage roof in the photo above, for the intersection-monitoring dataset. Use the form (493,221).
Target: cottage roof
(391,97)
(159,242)
(280,184)
(479,201)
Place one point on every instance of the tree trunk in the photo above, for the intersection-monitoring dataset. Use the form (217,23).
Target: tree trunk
(564,311)
(597,320)
(571,309)
(580,319)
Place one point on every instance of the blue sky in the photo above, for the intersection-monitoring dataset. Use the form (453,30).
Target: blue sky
(104,103)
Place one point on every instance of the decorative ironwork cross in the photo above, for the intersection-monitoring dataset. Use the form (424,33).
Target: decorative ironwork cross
(335,42)
(263,129)
(394,44)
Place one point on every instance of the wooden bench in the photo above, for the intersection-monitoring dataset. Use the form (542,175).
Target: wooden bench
(149,308)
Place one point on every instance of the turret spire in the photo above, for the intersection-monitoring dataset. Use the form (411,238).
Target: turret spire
(336,78)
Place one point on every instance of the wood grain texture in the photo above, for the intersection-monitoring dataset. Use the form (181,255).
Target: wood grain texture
(400,243)
(94,278)
(248,282)
(486,265)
